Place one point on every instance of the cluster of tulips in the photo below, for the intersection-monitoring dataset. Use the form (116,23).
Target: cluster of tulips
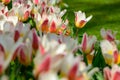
(34,36)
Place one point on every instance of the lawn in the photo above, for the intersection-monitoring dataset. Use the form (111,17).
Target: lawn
(105,14)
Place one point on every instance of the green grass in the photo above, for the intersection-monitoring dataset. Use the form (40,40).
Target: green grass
(106,14)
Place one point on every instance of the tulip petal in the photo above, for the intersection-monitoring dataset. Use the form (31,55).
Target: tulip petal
(16,35)
(44,66)
(84,42)
(89,18)
(53,27)
(44,26)
(107,73)
(116,76)
(73,72)
(35,42)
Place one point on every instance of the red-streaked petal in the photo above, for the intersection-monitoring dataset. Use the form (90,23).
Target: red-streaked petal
(116,55)
(16,35)
(73,72)
(42,50)
(44,66)
(35,42)
(44,26)
(26,15)
(110,37)
(107,73)
(16,53)
(84,42)
(22,55)
(52,27)
(82,23)
(2,49)
(116,76)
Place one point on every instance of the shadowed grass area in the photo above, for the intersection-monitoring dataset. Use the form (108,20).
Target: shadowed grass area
(106,14)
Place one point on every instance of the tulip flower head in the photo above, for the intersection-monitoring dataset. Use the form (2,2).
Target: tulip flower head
(107,34)
(110,52)
(112,74)
(80,19)
(87,44)
(24,53)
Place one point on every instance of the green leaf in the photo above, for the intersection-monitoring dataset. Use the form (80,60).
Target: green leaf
(97,76)
(9,5)
(98,60)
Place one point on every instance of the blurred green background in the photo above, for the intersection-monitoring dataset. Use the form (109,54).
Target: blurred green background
(106,14)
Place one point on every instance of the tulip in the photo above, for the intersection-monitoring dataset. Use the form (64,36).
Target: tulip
(21,30)
(7,49)
(22,11)
(110,52)
(24,53)
(87,44)
(108,35)
(80,19)
(112,74)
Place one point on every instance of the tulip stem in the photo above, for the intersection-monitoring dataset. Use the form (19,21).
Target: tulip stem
(85,58)
(77,33)
(18,70)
